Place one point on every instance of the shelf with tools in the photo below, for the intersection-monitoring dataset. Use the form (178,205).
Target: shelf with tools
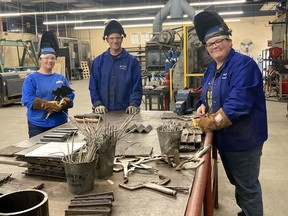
(275,61)
(139,53)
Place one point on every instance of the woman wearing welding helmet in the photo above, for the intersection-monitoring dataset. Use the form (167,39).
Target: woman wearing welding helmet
(44,109)
(232,105)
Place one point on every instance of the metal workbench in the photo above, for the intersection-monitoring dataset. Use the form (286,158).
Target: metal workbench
(139,202)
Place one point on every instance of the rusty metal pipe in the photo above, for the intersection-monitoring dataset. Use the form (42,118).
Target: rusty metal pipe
(195,202)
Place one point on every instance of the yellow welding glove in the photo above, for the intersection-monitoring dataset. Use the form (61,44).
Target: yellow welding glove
(48,106)
(215,121)
(65,103)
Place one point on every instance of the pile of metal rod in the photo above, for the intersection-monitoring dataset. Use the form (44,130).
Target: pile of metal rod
(170,126)
(91,204)
(96,135)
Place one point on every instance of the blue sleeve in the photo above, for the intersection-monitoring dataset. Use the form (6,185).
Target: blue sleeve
(136,95)
(93,82)
(246,87)
(28,92)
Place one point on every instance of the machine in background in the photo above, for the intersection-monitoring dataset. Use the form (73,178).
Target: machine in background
(11,87)
(183,103)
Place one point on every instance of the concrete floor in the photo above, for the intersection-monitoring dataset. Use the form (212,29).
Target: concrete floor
(274,169)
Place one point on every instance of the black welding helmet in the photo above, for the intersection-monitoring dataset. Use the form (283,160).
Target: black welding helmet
(48,44)
(113,26)
(209,24)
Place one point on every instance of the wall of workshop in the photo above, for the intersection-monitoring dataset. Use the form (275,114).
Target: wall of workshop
(255,29)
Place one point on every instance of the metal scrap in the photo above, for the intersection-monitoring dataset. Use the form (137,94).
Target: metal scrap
(91,204)
(154,185)
(139,128)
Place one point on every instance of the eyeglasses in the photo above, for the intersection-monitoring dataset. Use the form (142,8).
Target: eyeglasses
(216,43)
(115,38)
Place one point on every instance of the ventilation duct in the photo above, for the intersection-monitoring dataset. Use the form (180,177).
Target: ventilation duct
(176,9)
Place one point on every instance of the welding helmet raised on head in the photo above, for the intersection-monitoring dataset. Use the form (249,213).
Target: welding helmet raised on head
(209,24)
(113,26)
(48,44)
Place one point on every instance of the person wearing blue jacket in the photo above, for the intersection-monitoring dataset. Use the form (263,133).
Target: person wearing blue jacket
(44,110)
(232,105)
(115,78)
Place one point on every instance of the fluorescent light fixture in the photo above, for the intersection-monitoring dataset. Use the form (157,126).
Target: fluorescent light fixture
(217,3)
(147,25)
(10,15)
(126,19)
(115,9)
(232,20)
(231,13)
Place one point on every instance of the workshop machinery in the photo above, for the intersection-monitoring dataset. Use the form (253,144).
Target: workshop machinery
(11,86)
(17,59)
(25,52)
(183,103)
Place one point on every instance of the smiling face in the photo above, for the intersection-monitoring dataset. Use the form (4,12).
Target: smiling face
(47,63)
(115,41)
(218,48)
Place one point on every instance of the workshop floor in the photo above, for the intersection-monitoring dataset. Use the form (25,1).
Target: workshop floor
(274,169)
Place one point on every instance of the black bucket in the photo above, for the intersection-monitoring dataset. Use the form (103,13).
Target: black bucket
(25,203)
(169,141)
(80,176)
(105,161)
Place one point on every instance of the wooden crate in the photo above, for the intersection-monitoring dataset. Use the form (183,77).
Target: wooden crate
(60,66)
(85,68)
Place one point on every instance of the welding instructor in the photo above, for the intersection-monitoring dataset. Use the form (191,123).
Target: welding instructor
(115,78)
(232,105)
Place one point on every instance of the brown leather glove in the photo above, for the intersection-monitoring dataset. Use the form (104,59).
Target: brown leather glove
(65,103)
(48,106)
(215,121)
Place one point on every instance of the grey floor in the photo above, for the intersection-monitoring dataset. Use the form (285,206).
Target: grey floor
(274,169)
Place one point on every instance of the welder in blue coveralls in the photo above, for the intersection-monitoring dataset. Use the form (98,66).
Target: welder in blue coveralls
(115,78)
(232,106)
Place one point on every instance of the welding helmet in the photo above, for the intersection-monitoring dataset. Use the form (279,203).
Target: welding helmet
(48,45)
(209,24)
(113,26)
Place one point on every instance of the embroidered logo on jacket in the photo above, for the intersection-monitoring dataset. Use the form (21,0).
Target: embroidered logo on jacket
(59,82)
(123,67)
(224,76)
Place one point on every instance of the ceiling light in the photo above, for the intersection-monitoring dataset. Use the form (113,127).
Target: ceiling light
(217,3)
(114,9)
(148,24)
(230,13)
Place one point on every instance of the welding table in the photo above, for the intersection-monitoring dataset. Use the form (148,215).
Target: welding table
(161,93)
(203,189)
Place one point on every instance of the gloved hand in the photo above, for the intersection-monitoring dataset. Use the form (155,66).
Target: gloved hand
(65,103)
(215,121)
(132,109)
(48,106)
(100,109)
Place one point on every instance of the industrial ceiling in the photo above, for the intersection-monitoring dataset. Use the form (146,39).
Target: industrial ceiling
(40,8)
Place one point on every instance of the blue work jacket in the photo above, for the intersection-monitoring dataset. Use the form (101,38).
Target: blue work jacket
(238,89)
(115,83)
